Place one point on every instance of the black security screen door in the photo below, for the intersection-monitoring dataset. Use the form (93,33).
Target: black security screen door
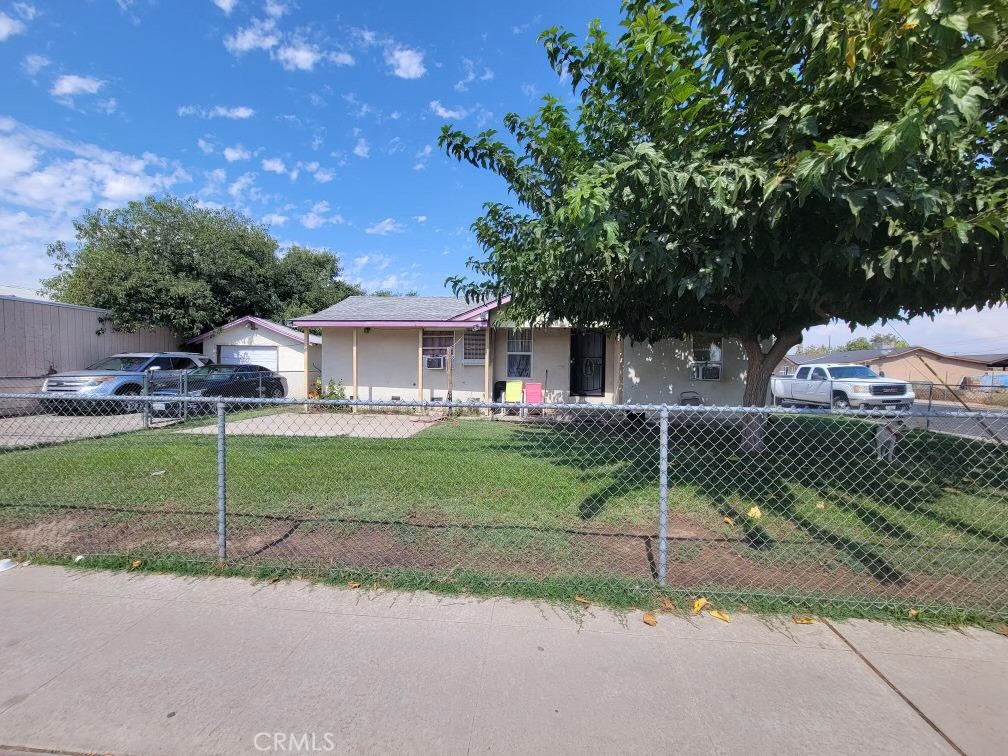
(587,372)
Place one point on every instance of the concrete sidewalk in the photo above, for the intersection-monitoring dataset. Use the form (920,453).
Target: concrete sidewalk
(128,663)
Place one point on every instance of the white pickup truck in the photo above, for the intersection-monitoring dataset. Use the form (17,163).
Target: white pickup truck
(841,386)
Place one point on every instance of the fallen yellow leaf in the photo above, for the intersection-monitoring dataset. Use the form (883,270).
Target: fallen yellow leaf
(802,620)
(274,579)
(582,600)
(668,605)
(913,613)
(699,604)
(353,584)
(728,520)
(135,564)
(1002,630)
(650,619)
(755,513)
(718,614)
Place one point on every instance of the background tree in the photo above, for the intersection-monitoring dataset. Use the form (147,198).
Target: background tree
(759,169)
(308,280)
(169,262)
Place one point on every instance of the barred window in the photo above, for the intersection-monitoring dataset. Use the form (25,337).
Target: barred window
(706,357)
(474,346)
(437,343)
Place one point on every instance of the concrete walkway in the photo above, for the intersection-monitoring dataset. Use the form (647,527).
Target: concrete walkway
(128,663)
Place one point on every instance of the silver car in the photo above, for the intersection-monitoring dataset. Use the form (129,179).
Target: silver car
(118,375)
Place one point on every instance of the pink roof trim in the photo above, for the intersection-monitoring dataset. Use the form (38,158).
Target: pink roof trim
(387,324)
(483,308)
(268,325)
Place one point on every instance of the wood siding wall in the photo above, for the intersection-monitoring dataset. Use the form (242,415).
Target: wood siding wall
(35,336)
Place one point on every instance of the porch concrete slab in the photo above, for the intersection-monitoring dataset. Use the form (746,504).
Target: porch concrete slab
(324,424)
(40,429)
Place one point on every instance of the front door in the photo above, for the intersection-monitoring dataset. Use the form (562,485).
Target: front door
(587,363)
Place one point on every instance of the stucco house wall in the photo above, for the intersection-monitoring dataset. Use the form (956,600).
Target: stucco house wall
(658,373)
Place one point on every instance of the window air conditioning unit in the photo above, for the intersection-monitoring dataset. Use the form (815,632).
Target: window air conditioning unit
(707,371)
(436,362)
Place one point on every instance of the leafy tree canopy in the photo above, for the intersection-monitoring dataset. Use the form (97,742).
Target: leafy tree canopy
(878,341)
(169,262)
(756,169)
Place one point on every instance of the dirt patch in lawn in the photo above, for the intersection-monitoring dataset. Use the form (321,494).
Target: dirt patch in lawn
(698,559)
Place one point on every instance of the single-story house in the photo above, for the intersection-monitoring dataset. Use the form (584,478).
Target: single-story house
(913,363)
(256,341)
(433,348)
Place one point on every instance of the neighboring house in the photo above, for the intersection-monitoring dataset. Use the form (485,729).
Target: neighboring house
(913,363)
(256,341)
(425,348)
(38,336)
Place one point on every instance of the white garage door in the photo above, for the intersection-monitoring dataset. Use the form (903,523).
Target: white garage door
(249,355)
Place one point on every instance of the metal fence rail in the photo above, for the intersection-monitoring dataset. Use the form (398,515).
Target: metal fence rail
(817,507)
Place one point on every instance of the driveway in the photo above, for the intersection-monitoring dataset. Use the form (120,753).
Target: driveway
(38,430)
(324,424)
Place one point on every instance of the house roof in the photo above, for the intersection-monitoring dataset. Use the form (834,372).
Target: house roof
(997,359)
(372,311)
(268,325)
(872,355)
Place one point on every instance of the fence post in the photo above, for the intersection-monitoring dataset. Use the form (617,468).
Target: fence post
(221,484)
(146,392)
(663,497)
(927,425)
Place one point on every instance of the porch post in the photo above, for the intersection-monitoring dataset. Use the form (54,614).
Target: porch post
(356,394)
(419,368)
(618,392)
(486,365)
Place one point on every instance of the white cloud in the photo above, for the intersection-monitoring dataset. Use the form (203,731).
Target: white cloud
(47,180)
(259,35)
(362,149)
(442,112)
(385,227)
(206,146)
(238,112)
(9,27)
(226,5)
(340,58)
(422,157)
(34,63)
(109,106)
(241,186)
(238,152)
(529,90)
(298,56)
(470,75)
(274,165)
(405,62)
(70,85)
(324,176)
(420,218)
(274,9)
(27,11)
(274,219)
(377,262)
(319,215)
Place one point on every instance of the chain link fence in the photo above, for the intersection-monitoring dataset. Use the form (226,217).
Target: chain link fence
(815,507)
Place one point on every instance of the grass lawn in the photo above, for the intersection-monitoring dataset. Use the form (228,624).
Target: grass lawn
(525,501)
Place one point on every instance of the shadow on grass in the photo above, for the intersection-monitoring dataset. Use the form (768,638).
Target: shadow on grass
(832,457)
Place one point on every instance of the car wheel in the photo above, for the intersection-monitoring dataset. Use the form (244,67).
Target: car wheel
(276,393)
(841,402)
(128,407)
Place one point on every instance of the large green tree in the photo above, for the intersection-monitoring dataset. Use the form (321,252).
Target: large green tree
(170,262)
(754,168)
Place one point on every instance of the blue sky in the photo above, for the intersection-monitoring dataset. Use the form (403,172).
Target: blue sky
(318,118)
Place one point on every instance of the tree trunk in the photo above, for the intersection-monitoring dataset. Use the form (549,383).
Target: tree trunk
(759,369)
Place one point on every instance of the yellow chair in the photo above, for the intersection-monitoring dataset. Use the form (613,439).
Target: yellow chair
(513,391)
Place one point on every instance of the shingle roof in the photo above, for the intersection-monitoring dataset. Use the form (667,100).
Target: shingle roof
(869,355)
(393,309)
(269,325)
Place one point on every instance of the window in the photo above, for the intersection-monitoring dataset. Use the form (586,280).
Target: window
(473,347)
(519,353)
(183,363)
(802,374)
(706,357)
(818,374)
(161,363)
(437,343)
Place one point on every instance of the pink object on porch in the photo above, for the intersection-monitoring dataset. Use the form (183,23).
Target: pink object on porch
(533,393)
